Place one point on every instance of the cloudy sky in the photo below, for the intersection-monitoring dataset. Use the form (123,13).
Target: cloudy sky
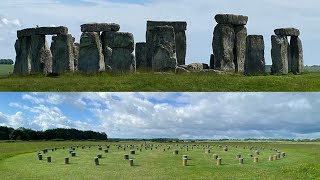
(181,115)
(264,17)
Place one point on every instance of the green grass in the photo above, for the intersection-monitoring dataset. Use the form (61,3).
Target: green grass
(301,162)
(5,70)
(150,82)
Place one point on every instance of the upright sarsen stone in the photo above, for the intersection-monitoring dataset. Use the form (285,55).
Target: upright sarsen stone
(76,47)
(223,45)
(141,55)
(181,47)
(296,55)
(63,52)
(279,53)
(255,61)
(41,57)
(164,50)
(22,65)
(91,59)
(240,48)
(122,60)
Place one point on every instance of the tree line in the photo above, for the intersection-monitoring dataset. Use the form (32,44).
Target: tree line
(7,133)
(6,61)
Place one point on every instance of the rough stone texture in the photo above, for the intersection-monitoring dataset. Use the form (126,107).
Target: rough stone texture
(177,25)
(255,61)
(212,61)
(117,40)
(223,45)
(231,19)
(62,48)
(240,48)
(91,59)
(279,54)
(164,51)
(194,67)
(76,47)
(23,56)
(287,32)
(141,55)
(296,55)
(122,60)
(107,52)
(42,31)
(181,70)
(180,39)
(98,27)
(41,57)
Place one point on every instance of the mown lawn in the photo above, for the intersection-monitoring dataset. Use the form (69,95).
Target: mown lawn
(301,161)
(150,82)
(5,70)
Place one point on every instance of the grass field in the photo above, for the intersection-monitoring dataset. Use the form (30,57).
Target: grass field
(5,69)
(301,161)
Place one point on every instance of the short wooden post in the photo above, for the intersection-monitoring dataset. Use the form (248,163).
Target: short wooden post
(126,157)
(40,157)
(208,151)
(131,162)
(73,154)
(250,155)
(66,160)
(238,156)
(184,161)
(275,157)
(49,158)
(255,159)
(99,156)
(215,156)
(175,152)
(257,152)
(96,161)
(106,151)
(132,152)
(241,160)
(219,161)
(270,158)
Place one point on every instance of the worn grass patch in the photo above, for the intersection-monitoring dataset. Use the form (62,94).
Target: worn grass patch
(150,82)
(301,162)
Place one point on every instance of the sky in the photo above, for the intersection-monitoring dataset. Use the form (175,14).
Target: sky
(264,17)
(168,115)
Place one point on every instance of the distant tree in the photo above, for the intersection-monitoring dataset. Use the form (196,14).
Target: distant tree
(5,132)
(6,61)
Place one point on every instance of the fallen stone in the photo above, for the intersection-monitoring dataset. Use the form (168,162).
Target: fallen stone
(63,51)
(240,48)
(141,55)
(231,19)
(255,61)
(98,27)
(194,67)
(280,55)
(223,45)
(287,32)
(123,60)
(91,59)
(296,55)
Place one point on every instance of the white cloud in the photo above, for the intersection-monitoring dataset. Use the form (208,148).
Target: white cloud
(16,120)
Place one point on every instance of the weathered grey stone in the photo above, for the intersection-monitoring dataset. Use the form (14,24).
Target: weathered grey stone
(107,52)
(231,19)
(141,55)
(98,27)
(181,70)
(117,40)
(177,25)
(296,55)
(23,56)
(91,59)
(181,46)
(123,60)
(164,51)
(42,31)
(212,61)
(62,48)
(240,48)
(287,32)
(279,54)
(76,48)
(255,61)
(223,45)
(41,57)
(194,67)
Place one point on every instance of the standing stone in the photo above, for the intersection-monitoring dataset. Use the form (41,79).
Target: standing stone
(91,59)
(240,48)
(164,51)
(76,47)
(223,45)
(41,61)
(296,55)
(181,46)
(255,62)
(62,48)
(141,55)
(212,61)
(279,53)
(122,60)
(23,56)
(107,52)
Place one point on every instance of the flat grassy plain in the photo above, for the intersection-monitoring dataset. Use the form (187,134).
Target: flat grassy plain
(301,161)
(150,82)
(5,69)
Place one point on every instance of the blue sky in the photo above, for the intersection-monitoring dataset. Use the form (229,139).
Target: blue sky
(179,115)
(264,17)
